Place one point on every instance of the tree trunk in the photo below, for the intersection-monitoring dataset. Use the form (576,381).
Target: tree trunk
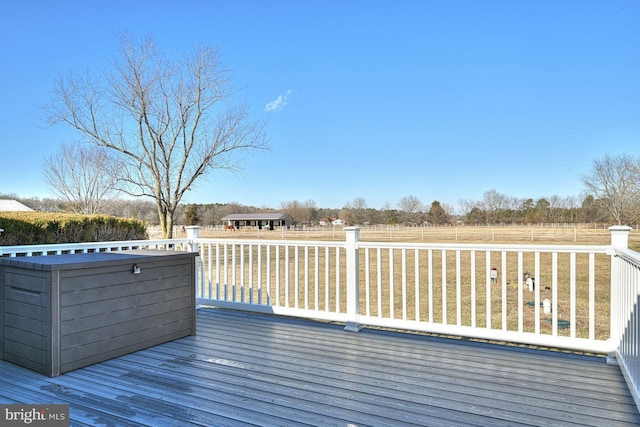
(166,221)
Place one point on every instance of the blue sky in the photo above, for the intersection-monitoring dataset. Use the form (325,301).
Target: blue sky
(441,100)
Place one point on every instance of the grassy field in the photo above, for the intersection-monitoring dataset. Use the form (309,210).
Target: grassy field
(464,234)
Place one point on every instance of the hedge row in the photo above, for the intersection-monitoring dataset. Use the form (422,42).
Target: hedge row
(35,228)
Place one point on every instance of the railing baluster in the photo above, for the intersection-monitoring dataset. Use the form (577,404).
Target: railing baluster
(504,291)
(234,279)
(296,270)
(210,269)
(327,282)
(520,283)
(474,303)
(404,283)
(242,274)
(458,289)
(317,278)
(572,267)
(277,281)
(431,295)
(337,280)
(251,285)
(287,276)
(379,277)
(306,278)
(367,282)
(226,272)
(268,273)
(259,273)
(592,296)
(444,287)
(487,275)
(554,294)
(537,291)
(392,292)
(416,268)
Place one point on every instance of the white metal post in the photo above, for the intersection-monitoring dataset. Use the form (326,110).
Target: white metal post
(619,240)
(353,279)
(620,236)
(193,232)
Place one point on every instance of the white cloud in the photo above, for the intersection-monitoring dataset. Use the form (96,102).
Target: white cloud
(279,103)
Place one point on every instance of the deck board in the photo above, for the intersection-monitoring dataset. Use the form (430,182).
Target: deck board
(251,369)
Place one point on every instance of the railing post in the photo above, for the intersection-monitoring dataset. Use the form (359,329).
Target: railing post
(353,279)
(619,240)
(620,236)
(193,232)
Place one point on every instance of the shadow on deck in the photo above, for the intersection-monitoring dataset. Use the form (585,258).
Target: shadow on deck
(250,369)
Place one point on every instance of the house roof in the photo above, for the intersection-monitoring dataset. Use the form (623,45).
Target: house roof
(270,216)
(13,206)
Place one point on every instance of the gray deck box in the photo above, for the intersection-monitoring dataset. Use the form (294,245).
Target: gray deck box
(63,312)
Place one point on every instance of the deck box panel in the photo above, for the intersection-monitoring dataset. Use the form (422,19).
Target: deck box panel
(154,270)
(24,309)
(108,289)
(94,306)
(13,335)
(29,357)
(130,301)
(155,316)
(13,294)
(36,281)
(18,321)
(71,361)
(79,324)
(91,343)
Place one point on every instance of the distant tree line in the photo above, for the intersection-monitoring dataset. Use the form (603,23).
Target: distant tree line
(493,209)
(612,195)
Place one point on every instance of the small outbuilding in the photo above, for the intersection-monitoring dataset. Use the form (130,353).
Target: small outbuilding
(7,205)
(267,221)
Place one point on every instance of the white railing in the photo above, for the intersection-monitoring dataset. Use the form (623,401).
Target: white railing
(439,288)
(625,316)
(577,297)
(66,248)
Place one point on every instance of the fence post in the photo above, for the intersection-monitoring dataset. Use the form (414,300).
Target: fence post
(193,232)
(619,240)
(353,279)
(620,236)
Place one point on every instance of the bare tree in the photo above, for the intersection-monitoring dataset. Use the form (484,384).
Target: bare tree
(301,212)
(168,120)
(492,203)
(83,175)
(615,183)
(354,212)
(412,207)
(312,211)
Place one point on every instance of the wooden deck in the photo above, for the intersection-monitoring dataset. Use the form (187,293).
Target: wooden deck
(250,369)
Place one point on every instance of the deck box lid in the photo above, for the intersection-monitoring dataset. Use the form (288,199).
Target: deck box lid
(90,260)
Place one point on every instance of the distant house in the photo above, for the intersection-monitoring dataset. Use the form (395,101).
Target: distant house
(260,220)
(13,206)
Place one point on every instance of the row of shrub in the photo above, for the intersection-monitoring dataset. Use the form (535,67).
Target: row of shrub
(35,228)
